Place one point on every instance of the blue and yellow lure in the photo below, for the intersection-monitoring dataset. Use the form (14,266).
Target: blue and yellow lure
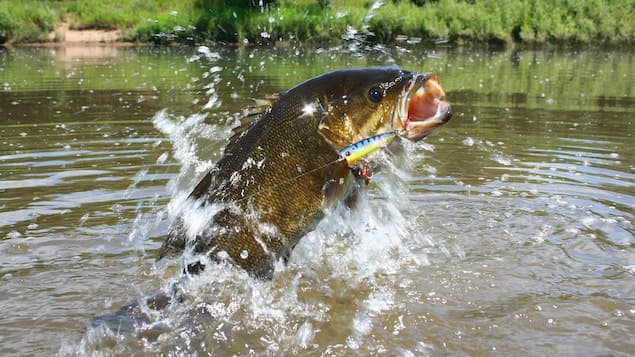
(363,148)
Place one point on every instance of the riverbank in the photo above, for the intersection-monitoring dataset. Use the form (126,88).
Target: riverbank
(63,33)
(575,22)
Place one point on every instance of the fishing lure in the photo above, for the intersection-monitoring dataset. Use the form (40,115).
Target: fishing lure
(364,147)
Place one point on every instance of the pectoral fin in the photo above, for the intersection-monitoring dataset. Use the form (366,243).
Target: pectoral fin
(337,186)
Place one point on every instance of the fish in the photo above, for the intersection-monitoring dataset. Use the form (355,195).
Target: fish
(281,172)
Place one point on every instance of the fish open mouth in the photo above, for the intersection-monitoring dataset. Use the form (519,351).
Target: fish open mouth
(421,109)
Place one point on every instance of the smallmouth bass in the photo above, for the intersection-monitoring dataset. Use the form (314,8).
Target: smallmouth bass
(277,176)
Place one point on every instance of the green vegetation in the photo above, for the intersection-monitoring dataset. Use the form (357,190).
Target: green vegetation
(595,22)
(539,21)
(26,23)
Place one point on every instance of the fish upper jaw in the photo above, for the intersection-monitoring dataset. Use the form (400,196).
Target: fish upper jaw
(420,109)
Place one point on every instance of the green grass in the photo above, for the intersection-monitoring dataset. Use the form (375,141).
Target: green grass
(539,21)
(562,22)
(139,20)
(26,21)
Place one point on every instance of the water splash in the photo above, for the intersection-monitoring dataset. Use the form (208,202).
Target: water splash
(369,15)
(366,248)
(356,41)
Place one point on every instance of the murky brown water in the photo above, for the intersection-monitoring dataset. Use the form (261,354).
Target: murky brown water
(509,231)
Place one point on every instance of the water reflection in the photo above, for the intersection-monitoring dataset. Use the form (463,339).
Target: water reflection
(513,224)
(75,53)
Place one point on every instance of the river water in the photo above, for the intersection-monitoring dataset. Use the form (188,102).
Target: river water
(509,231)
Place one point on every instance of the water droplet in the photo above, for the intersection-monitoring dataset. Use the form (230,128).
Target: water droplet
(14,235)
(305,334)
(161,159)
(116,208)
(244,254)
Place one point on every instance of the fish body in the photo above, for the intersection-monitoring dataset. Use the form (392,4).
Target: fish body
(275,179)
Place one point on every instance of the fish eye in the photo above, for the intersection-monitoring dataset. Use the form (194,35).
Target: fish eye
(376,94)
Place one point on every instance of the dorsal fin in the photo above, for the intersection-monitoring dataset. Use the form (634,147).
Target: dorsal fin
(202,187)
(261,106)
(265,102)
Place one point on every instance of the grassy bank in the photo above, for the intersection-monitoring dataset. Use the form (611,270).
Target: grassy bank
(569,22)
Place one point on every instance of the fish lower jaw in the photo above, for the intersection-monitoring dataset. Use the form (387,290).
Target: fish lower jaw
(415,129)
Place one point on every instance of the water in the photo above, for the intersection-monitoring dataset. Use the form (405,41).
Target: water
(508,231)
